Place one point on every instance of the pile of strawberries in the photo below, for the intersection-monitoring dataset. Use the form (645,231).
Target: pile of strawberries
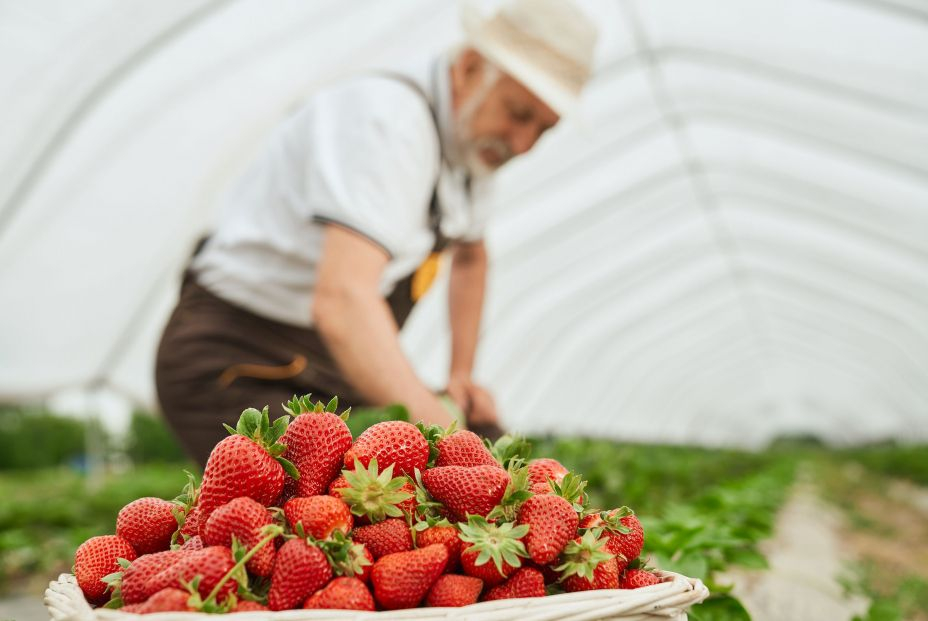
(295,515)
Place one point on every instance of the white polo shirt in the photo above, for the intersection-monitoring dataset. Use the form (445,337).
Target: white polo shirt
(362,153)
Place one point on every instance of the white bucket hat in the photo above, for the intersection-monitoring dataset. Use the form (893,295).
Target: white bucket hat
(547,45)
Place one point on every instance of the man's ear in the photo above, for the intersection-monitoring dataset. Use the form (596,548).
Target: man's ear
(466,73)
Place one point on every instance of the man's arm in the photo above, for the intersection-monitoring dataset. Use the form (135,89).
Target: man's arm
(356,324)
(465,300)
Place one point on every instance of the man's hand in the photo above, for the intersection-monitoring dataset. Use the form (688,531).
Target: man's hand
(475,401)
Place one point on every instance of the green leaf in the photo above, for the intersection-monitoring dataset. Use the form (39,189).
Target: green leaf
(332,405)
(719,608)
(289,468)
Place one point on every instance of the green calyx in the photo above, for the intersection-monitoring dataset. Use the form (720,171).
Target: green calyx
(499,542)
(613,520)
(427,508)
(346,557)
(581,558)
(374,495)
(571,489)
(508,449)
(517,492)
(184,503)
(114,584)
(305,405)
(256,426)
(435,434)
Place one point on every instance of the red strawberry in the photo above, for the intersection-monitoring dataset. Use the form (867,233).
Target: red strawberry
(319,515)
(387,537)
(194,543)
(638,578)
(316,442)
(342,594)
(454,590)
(172,599)
(487,571)
(552,523)
(587,564)
(374,495)
(133,608)
(401,580)
(491,551)
(390,442)
(211,564)
(244,519)
(245,605)
(191,524)
(300,570)
(526,582)
(248,463)
(135,579)
(625,536)
(464,448)
(447,535)
(544,468)
(541,489)
(147,524)
(337,485)
(605,576)
(467,491)
(96,558)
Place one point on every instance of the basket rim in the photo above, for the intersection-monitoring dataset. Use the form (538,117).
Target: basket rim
(670,597)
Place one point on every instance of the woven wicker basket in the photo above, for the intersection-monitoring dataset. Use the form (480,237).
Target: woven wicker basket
(668,600)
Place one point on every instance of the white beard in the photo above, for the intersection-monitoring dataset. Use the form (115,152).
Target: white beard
(469,148)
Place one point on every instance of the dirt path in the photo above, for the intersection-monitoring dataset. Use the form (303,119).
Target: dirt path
(807,554)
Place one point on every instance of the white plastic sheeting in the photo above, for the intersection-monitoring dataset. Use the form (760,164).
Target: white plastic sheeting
(728,243)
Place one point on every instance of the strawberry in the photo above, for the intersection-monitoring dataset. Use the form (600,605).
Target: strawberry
(348,558)
(605,576)
(245,605)
(133,608)
(390,442)
(343,594)
(454,590)
(587,564)
(544,468)
(318,516)
(638,578)
(300,570)
(172,599)
(625,536)
(148,524)
(526,582)
(464,448)
(316,442)
(210,564)
(247,463)
(336,486)
(552,523)
(194,543)
(97,558)
(467,491)
(243,519)
(387,537)
(401,580)
(484,542)
(375,495)
(134,587)
(540,489)
(191,525)
(446,535)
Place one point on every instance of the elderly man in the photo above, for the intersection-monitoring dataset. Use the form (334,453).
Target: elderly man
(333,233)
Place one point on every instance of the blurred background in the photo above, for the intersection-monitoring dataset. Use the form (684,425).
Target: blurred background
(718,269)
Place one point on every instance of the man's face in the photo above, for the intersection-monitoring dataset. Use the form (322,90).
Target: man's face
(495,119)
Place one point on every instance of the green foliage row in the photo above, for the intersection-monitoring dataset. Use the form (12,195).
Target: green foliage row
(891,459)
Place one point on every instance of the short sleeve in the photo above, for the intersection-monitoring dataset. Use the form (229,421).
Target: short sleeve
(372,158)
